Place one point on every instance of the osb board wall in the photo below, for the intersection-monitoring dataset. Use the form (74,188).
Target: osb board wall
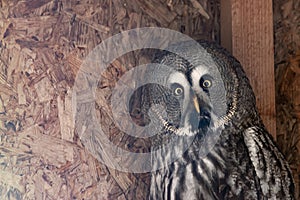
(43,44)
(287,70)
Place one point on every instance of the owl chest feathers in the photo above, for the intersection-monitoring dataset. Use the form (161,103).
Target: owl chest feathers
(237,167)
(193,175)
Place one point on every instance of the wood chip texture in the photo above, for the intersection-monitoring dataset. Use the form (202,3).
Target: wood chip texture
(287,74)
(42,46)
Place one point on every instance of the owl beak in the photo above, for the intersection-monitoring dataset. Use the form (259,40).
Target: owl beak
(196,104)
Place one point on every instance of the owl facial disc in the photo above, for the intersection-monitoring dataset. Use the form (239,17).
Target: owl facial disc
(195,115)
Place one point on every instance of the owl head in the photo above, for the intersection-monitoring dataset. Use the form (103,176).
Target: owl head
(196,87)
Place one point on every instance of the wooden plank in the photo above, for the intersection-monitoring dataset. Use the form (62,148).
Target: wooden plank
(252,44)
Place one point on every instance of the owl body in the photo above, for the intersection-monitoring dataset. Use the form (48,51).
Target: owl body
(219,147)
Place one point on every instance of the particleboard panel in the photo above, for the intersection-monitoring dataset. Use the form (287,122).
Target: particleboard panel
(42,47)
(252,44)
(287,77)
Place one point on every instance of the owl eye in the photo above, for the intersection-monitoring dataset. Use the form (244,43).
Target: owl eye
(177,89)
(205,82)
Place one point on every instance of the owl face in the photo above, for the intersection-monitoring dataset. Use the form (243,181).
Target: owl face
(199,94)
(188,89)
(202,98)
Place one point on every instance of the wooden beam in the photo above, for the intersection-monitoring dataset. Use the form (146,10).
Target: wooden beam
(251,29)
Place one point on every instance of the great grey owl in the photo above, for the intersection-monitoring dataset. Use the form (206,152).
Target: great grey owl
(206,110)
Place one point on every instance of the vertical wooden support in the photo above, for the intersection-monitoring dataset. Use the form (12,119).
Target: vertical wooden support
(247,31)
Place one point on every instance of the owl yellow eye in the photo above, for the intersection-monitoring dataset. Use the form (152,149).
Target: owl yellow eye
(205,81)
(178,91)
(206,84)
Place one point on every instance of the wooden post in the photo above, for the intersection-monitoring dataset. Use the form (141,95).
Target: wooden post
(247,31)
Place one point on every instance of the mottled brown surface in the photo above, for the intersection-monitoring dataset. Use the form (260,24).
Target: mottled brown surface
(287,73)
(42,45)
